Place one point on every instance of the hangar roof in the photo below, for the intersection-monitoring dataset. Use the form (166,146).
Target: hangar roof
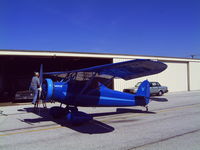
(4,52)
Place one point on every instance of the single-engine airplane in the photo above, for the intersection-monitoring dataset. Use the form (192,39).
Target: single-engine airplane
(84,87)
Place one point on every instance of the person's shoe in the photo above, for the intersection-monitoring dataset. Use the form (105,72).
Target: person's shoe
(33,103)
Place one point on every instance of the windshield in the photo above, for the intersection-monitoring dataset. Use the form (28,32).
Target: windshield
(138,84)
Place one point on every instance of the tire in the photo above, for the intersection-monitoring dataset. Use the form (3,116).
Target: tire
(160,93)
(57,112)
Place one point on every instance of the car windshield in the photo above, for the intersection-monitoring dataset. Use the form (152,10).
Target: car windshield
(138,84)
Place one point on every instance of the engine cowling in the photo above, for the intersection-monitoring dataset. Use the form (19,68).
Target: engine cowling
(47,89)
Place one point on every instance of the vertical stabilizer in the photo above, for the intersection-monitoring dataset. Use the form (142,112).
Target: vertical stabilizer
(143,93)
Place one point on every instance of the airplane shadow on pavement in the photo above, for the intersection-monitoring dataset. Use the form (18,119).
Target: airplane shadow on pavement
(159,99)
(121,111)
(91,127)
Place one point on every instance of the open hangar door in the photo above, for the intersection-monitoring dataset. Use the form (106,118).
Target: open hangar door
(16,71)
(175,77)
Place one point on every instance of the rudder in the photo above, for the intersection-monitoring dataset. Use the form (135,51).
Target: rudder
(143,93)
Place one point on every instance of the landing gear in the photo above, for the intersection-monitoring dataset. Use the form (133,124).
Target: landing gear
(73,109)
(71,113)
(58,111)
(147,108)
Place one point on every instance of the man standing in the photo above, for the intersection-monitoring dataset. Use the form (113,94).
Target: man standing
(35,84)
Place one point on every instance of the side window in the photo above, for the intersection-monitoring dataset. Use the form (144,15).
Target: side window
(158,84)
(153,84)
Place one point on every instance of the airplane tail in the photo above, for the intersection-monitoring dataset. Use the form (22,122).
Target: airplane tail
(143,94)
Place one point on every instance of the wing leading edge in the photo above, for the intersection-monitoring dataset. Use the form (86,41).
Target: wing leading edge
(126,70)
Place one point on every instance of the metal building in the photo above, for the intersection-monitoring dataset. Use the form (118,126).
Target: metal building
(17,67)
(181,75)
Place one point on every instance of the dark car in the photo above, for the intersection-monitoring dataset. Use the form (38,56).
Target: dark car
(24,95)
(155,89)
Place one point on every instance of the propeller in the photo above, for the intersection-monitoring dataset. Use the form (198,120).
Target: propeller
(41,80)
(46,86)
(41,74)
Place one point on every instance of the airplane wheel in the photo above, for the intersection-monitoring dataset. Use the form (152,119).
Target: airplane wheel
(58,112)
(78,118)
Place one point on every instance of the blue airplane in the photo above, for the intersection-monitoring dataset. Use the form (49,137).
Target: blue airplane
(87,87)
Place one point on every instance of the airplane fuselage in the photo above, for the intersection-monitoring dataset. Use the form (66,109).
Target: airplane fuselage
(73,93)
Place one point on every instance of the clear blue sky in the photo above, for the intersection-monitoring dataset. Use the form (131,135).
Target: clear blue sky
(141,27)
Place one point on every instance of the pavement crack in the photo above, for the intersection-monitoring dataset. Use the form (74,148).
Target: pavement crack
(165,139)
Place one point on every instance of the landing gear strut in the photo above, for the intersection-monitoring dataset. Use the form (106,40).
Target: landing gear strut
(147,108)
(59,112)
(73,109)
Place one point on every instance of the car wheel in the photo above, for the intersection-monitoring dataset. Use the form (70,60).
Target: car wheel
(160,93)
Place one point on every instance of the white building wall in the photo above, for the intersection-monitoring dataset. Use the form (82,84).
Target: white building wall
(182,74)
(175,77)
(194,77)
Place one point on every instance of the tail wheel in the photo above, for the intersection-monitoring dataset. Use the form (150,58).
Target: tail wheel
(147,108)
(160,93)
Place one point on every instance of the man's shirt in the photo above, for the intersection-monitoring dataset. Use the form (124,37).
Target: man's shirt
(35,82)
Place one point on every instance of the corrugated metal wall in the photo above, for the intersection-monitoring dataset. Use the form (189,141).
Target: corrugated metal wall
(175,77)
(194,76)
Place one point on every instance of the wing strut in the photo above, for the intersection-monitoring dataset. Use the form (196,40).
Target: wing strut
(88,83)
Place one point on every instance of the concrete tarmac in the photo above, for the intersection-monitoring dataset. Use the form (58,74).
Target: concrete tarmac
(173,122)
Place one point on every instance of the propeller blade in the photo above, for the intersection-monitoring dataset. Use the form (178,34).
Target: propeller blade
(41,74)
(41,80)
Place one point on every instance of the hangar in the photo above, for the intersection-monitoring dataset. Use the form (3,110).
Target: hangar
(17,67)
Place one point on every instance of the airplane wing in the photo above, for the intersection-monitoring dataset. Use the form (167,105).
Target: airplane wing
(126,70)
